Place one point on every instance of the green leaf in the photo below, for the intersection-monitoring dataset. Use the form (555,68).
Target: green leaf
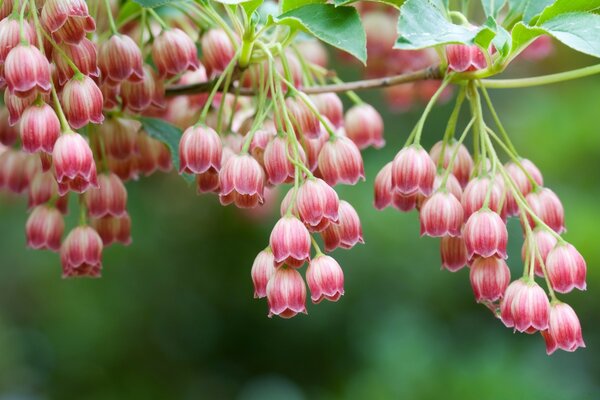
(169,135)
(394,3)
(534,7)
(288,5)
(492,7)
(337,26)
(251,6)
(423,23)
(567,6)
(128,10)
(154,3)
(502,40)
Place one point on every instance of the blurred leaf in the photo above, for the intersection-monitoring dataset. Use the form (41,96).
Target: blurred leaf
(567,6)
(169,135)
(492,7)
(502,40)
(251,6)
(128,10)
(534,7)
(154,3)
(424,23)
(393,3)
(288,5)
(338,26)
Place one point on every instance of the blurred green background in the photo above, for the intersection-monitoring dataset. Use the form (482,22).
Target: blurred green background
(173,316)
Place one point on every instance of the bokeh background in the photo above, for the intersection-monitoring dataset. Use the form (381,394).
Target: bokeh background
(173,316)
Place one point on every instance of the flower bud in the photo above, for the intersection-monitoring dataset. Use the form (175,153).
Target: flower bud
(547,206)
(82,102)
(278,166)
(286,293)
(290,242)
(26,71)
(81,253)
(441,215)
(83,55)
(303,119)
(120,59)
(42,189)
(364,126)
(453,252)
(217,50)
(413,171)
(347,232)
(463,58)
(10,35)
(476,192)
(263,269)
(463,163)
(74,164)
(489,278)
(485,235)
(113,229)
(317,204)
(174,52)
(330,106)
(340,161)
(325,279)
(566,268)
(200,150)
(39,128)
(44,228)
(242,182)
(67,20)
(110,198)
(564,329)
(525,306)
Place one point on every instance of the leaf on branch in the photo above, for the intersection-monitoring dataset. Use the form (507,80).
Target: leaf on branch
(492,7)
(567,6)
(425,23)
(288,5)
(338,26)
(169,135)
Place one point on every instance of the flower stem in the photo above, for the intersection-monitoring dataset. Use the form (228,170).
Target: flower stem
(541,80)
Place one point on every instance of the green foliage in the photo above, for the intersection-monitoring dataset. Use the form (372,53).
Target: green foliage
(154,3)
(288,5)
(394,3)
(339,27)
(492,7)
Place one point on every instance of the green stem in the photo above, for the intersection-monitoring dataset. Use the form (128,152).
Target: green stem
(451,127)
(428,108)
(541,80)
(111,21)
(158,19)
(64,124)
(455,152)
(496,119)
(316,246)
(215,89)
(76,71)
(82,211)
(223,99)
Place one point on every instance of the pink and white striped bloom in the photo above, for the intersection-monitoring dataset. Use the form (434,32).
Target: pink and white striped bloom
(489,278)
(113,229)
(74,164)
(200,149)
(525,306)
(383,187)
(463,163)
(364,126)
(304,120)
(27,71)
(81,253)
(44,228)
(522,182)
(263,269)
(476,191)
(544,242)
(485,235)
(83,55)
(564,329)
(174,52)
(16,105)
(325,279)
(413,171)
(454,253)
(120,59)
(277,162)
(110,198)
(138,96)
(347,232)
(566,268)
(330,106)
(290,242)
(548,207)
(317,204)
(340,161)
(43,188)
(39,128)
(242,182)
(286,293)
(82,102)
(12,171)
(67,20)
(10,35)
(217,50)
(462,57)
(441,215)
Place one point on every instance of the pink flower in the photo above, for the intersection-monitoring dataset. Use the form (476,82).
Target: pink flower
(330,106)
(305,122)
(521,181)
(527,307)
(317,204)
(263,269)
(564,329)
(110,198)
(44,228)
(463,58)
(81,253)
(453,252)
(547,206)
(43,188)
(277,162)
(413,171)
(340,161)
(113,229)
(364,126)
(138,96)
(39,128)
(67,20)
(217,50)
(475,194)
(16,106)
(544,241)
(485,235)
(200,149)
(383,187)
(242,182)
(120,137)
(441,215)
(174,52)
(566,268)
(347,232)
(82,102)
(12,171)
(290,242)
(325,279)
(74,164)
(463,163)
(83,55)
(286,293)
(10,35)
(27,71)
(489,278)
(120,59)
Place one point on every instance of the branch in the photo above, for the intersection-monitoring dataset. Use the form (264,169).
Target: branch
(430,73)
